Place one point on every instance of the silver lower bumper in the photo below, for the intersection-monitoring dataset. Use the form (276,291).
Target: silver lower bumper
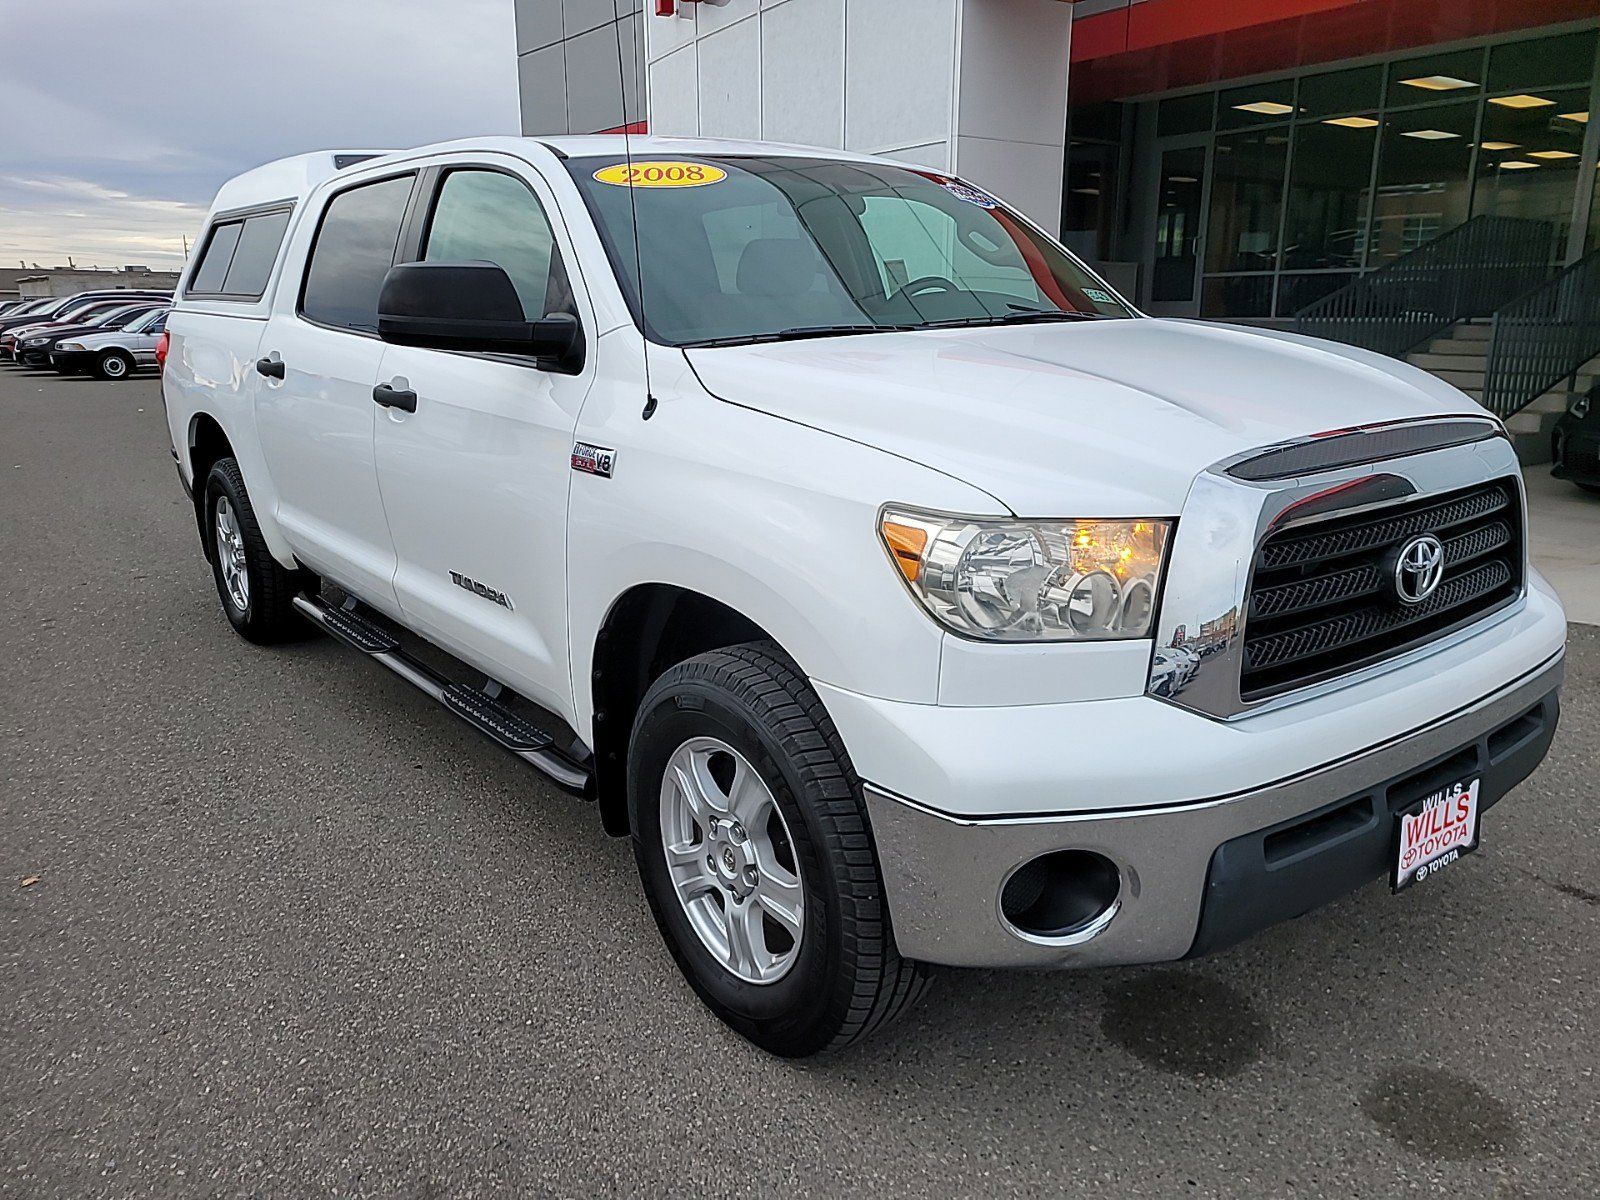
(943,874)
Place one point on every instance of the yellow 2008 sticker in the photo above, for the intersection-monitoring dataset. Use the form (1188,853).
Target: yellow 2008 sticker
(660,174)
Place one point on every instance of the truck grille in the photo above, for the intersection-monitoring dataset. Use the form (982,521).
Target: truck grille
(1322,597)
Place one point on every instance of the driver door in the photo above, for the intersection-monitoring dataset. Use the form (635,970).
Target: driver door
(474,479)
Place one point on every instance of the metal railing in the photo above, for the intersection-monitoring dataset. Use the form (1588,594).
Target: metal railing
(1468,272)
(1543,337)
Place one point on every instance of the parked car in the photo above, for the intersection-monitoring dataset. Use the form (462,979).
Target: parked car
(70,316)
(67,306)
(35,348)
(1575,442)
(21,308)
(113,354)
(825,523)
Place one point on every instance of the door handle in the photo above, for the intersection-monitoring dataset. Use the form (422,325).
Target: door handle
(395,398)
(272,368)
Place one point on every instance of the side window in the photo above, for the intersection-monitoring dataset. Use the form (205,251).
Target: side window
(486,216)
(215,258)
(238,256)
(255,254)
(353,251)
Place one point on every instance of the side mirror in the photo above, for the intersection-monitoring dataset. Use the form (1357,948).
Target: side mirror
(472,306)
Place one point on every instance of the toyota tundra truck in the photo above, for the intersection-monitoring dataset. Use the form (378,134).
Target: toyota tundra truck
(905,595)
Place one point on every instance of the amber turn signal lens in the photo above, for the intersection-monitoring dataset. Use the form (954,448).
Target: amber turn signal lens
(906,543)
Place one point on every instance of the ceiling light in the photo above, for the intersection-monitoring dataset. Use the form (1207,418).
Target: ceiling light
(1352,122)
(1551,154)
(1516,164)
(1182,179)
(1439,83)
(1521,101)
(1086,191)
(1501,145)
(1430,135)
(1269,108)
(1581,117)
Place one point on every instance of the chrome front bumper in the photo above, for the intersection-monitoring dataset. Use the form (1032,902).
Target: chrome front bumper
(943,874)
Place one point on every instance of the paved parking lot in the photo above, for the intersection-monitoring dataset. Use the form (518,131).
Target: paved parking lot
(296,932)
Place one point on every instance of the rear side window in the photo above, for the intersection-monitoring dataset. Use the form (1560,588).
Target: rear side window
(354,250)
(238,256)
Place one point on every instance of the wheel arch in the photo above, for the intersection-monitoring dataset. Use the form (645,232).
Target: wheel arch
(207,442)
(647,630)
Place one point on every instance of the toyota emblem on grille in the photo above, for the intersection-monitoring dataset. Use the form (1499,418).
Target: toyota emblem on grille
(1418,568)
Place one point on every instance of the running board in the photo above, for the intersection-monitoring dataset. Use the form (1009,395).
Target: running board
(483,712)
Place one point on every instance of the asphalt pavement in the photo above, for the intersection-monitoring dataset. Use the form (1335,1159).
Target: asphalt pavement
(294,931)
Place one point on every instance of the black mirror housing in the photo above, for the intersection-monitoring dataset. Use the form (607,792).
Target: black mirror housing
(472,307)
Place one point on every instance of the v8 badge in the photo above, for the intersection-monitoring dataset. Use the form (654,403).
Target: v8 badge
(593,460)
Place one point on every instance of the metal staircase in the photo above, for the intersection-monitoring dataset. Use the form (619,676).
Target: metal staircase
(1483,308)
(1466,273)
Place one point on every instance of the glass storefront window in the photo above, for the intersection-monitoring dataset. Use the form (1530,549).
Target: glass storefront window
(1542,62)
(1178,225)
(1296,292)
(1237,296)
(1246,199)
(1455,76)
(1344,169)
(1258,104)
(1424,178)
(1529,157)
(1178,115)
(1360,90)
(1329,194)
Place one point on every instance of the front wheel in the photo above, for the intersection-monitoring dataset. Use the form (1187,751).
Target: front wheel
(113,364)
(757,860)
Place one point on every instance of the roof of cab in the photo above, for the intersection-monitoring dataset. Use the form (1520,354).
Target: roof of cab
(642,145)
(286,178)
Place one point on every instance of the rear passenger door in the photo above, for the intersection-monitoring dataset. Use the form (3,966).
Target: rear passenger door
(314,407)
(475,479)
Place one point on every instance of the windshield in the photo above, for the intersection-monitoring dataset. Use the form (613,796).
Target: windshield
(746,248)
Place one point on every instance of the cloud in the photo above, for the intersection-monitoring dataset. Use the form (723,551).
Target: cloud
(122,120)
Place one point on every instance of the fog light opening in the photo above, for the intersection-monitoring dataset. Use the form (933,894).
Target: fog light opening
(1063,896)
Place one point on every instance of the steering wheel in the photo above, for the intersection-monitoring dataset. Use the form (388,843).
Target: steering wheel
(928,283)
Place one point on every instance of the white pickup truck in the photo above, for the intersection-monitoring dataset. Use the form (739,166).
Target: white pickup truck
(904,594)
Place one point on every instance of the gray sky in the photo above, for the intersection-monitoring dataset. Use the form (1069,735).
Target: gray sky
(119,119)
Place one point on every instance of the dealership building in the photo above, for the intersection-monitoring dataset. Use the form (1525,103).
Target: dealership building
(1273,161)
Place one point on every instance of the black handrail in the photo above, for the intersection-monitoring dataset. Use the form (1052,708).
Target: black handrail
(1468,272)
(1543,337)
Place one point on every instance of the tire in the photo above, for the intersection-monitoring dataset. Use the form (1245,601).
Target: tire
(844,978)
(113,364)
(263,610)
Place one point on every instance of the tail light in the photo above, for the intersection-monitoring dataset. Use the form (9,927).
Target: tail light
(161,350)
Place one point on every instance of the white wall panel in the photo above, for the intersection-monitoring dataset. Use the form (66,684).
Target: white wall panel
(730,81)
(899,72)
(675,94)
(802,72)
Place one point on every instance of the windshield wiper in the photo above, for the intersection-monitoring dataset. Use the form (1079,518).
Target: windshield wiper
(1026,316)
(796,334)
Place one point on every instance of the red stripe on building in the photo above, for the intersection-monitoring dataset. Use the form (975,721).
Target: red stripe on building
(1161,45)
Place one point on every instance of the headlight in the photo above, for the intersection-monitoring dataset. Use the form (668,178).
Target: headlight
(1031,581)
(36,341)
(70,346)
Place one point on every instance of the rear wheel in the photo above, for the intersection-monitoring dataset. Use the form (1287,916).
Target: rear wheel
(753,845)
(113,364)
(257,593)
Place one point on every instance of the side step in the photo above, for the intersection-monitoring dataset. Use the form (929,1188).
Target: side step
(477,708)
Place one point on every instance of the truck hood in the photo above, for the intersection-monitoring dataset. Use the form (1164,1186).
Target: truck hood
(1098,418)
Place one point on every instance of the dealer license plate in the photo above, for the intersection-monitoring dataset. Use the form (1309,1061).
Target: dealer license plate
(1434,833)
